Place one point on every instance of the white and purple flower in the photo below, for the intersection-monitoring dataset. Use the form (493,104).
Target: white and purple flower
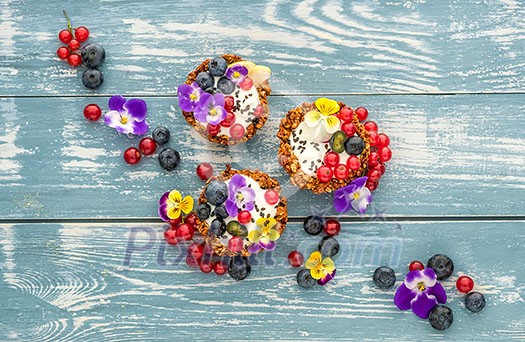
(210,109)
(241,196)
(355,195)
(420,292)
(127,116)
(236,73)
(189,96)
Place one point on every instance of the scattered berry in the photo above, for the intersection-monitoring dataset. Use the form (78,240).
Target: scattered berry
(353,163)
(92,78)
(205,80)
(441,317)
(147,146)
(362,113)
(220,268)
(213,130)
(206,265)
(170,235)
(93,55)
(229,120)
(305,280)
(203,211)
(324,174)
(216,192)
(346,114)
(416,265)
(384,277)
(354,145)
(475,301)
(195,250)
(328,246)
(442,265)
(384,140)
(381,167)
(244,217)
(132,156)
(348,128)
(371,126)
(341,171)
(371,185)
(204,171)
(81,33)
(225,85)
(237,131)
(169,159)
(73,45)
(332,227)
(246,84)
(217,227)
(385,154)
(92,112)
(229,103)
(373,159)
(374,175)
(235,244)
(331,159)
(239,267)
(65,36)
(465,284)
(313,225)
(161,135)
(185,232)
(74,60)
(63,53)
(374,138)
(295,258)
(217,66)
(271,196)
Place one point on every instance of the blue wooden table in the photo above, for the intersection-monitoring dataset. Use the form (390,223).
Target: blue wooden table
(82,255)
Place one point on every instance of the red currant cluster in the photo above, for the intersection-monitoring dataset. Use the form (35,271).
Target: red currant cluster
(70,52)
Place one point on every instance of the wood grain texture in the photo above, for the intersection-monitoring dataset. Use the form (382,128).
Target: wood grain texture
(312,46)
(70,282)
(453,155)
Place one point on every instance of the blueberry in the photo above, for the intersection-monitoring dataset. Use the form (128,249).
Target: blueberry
(441,317)
(169,159)
(203,211)
(216,192)
(225,85)
(442,265)
(475,301)
(384,277)
(161,135)
(328,246)
(213,90)
(313,225)
(205,80)
(93,55)
(236,229)
(304,279)
(220,212)
(217,227)
(92,78)
(217,66)
(239,268)
(354,145)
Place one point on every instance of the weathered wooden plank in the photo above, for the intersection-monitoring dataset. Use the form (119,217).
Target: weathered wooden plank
(71,282)
(453,155)
(312,46)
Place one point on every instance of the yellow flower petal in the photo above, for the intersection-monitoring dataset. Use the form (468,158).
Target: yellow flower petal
(175,196)
(316,273)
(327,106)
(312,118)
(259,74)
(313,261)
(332,124)
(255,235)
(186,205)
(264,240)
(328,265)
(173,212)
(273,234)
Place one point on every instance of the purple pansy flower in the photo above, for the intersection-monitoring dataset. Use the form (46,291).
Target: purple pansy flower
(420,292)
(241,196)
(189,96)
(354,195)
(210,108)
(237,73)
(127,116)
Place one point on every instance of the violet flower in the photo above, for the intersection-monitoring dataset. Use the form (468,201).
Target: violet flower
(127,116)
(420,292)
(189,96)
(241,196)
(354,195)
(237,73)
(210,108)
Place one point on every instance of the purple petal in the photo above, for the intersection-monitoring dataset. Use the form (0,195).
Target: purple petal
(254,248)
(219,99)
(140,128)
(237,181)
(341,204)
(200,114)
(360,205)
(430,273)
(112,119)
(248,194)
(116,103)
(136,108)
(231,207)
(186,104)
(439,292)
(164,198)
(163,212)
(403,297)
(270,246)
(248,206)
(218,117)
(184,90)
(360,182)
(423,304)
(412,278)
(326,278)
(205,100)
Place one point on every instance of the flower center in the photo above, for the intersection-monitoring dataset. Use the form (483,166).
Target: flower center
(193,97)
(356,195)
(239,197)
(236,74)
(123,120)
(213,112)
(421,286)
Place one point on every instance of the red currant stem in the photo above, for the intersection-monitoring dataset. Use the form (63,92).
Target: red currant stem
(69,27)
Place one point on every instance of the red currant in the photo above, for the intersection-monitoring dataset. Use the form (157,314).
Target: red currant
(206,265)
(237,131)
(65,36)
(74,60)
(246,84)
(196,250)
(341,171)
(208,249)
(348,128)
(204,171)
(229,103)
(353,163)
(332,227)
(324,174)
(213,129)
(174,223)
(346,114)
(374,138)
(373,159)
(295,258)
(235,244)
(170,235)
(147,146)
(220,268)
(465,284)
(371,185)
(132,156)
(371,126)
(362,113)
(271,196)
(92,112)
(374,175)
(258,111)
(385,154)
(73,45)
(192,262)
(381,167)
(191,219)
(63,52)
(384,140)
(244,217)
(185,232)
(416,265)
(228,120)
(81,33)
(331,159)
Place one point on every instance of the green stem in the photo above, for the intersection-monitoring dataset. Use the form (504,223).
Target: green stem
(69,27)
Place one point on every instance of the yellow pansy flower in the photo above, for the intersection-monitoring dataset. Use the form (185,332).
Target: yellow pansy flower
(323,118)
(172,205)
(265,236)
(323,270)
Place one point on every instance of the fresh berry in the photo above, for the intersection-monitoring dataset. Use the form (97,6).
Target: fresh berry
(441,317)
(239,267)
(374,138)
(331,159)
(220,212)
(170,235)
(246,84)
(205,80)
(465,284)
(213,130)
(381,168)
(384,140)
(313,225)
(337,142)
(93,55)
(92,112)
(258,111)
(174,223)
(217,66)
(132,156)
(235,244)
(65,36)
(217,227)
(225,85)
(324,174)
(362,113)
(161,135)
(244,217)
(305,280)
(416,265)
(271,196)
(81,33)
(475,301)
(220,268)
(332,227)
(348,128)
(237,131)
(206,265)
(74,60)
(204,171)
(229,120)
(92,78)
(169,159)
(203,211)
(185,232)
(374,175)
(229,103)
(442,265)
(373,159)
(341,171)
(63,52)
(295,258)
(385,154)
(353,163)
(346,114)
(195,250)
(371,185)
(191,219)
(354,145)
(73,45)
(328,246)
(147,146)
(371,126)
(192,262)
(216,192)
(236,229)
(384,277)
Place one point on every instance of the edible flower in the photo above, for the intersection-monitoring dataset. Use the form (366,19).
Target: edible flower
(189,96)
(355,195)
(264,236)
(236,73)
(127,116)
(323,120)
(240,196)
(258,73)
(210,108)
(323,270)
(172,205)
